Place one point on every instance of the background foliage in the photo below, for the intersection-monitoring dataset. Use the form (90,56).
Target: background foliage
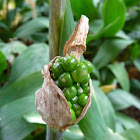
(113,46)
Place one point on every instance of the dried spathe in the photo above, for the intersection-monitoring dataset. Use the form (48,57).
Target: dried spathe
(50,101)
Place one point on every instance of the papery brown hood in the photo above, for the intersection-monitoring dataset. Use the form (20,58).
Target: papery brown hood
(50,100)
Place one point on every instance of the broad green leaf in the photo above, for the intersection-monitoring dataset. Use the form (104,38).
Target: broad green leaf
(68,135)
(114,13)
(110,135)
(96,72)
(108,114)
(131,2)
(67,26)
(135,86)
(33,117)
(93,125)
(126,121)
(121,74)
(12,124)
(31,27)
(137,63)
(3,62)
(32,60)
(132,134)
(113,18)
(109,50)
(26,86)
(82,7)
(96,26)
(11,48)
(122,99)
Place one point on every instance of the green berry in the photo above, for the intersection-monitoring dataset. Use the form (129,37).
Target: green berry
(80,91)
(73,115)
(84,85)
(76,107)
(70,92)
(54,77)
(82,100)
(65,79)
(69,63)
(86,80)
(86,90)
(57,68)
(89,65)
(70,105)
(77,85)
(58,84)
(78,112)
(60,59)
(80,72)
(74,100)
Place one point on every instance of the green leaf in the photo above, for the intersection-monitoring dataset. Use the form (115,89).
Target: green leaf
(114,47)
(135,86)
(82,7)
(67,26)
(32,60)
(121,74)
(26,86)
(137,63)
(131,2)
(113,18)
(33,117)
(30,27)
(122,99)
(3,62)
(93,125)
(126,121)
(12,124)
(108,114)
(110,135)
(132,134)
(12,48)
(113,14)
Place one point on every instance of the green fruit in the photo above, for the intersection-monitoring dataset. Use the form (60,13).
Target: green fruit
(78,112)
(77,85)
(82,100)
(70,92)
(74,100)
(89,65)
(65,79)
(86,90)
(70,105)
(80,72)
(69,63)
(57,68)
(80,91)
(86,80)
(60,59)
(73,115)
(76,107)
(84,85)
(54,77)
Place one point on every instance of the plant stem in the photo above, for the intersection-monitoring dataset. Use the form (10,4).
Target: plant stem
(56,13)
(54,134)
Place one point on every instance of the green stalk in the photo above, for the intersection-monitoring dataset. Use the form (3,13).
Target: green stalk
(54,134)
(56,13)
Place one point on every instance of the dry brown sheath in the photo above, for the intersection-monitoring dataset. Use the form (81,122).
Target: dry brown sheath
(50,100)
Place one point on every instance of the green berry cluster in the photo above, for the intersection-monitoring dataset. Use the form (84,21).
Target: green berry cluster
(73,79)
